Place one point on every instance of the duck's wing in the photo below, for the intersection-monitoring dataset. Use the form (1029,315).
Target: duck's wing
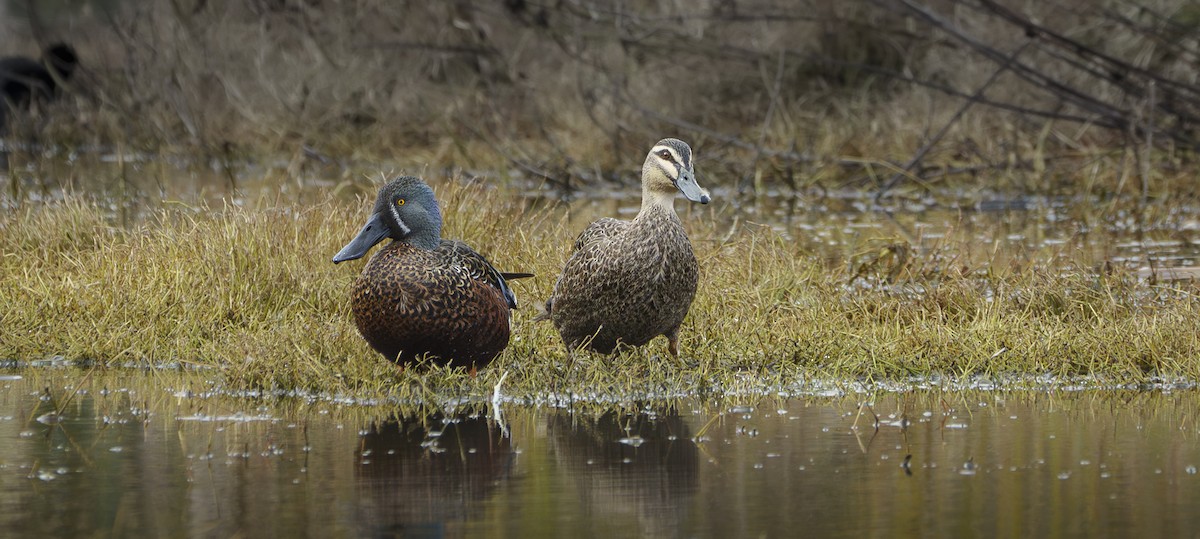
(600,230)
(478,267)
(588,253)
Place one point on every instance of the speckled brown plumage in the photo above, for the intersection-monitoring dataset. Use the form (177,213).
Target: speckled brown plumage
(627,281)
(422,296)
(630,281)
(445,303)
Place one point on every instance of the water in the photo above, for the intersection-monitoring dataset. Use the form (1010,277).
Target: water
(128,457)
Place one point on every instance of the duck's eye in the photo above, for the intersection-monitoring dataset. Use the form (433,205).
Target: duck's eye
(399,201)
(665,155)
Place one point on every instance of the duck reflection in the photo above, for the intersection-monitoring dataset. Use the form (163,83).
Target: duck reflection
(416,477)
(641,466)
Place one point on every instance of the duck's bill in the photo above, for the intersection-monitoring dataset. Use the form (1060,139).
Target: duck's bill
(692,190)
(372,233)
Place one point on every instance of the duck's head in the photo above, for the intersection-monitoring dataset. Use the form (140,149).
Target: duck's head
(406,211)
(668,168)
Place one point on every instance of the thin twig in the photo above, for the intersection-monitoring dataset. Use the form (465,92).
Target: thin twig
(902,173)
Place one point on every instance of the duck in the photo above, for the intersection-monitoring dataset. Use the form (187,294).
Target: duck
(24,80)
(627,282)
(422,296)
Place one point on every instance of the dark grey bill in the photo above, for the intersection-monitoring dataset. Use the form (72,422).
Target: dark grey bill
(373,232)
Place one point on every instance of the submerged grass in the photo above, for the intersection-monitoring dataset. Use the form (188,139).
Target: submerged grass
(249,292)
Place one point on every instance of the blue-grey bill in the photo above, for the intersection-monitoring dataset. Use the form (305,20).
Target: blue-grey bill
(373,232)
(692,190)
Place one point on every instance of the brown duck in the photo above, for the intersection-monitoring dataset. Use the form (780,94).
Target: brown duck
(422,295)
(630,281)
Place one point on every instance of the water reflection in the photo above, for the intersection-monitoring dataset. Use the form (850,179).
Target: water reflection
(641,466)
(139,460)
(420,476)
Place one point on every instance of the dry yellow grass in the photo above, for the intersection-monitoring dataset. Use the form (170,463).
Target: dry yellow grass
(248,296)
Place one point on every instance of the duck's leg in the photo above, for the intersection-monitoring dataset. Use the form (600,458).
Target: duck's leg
(673,342)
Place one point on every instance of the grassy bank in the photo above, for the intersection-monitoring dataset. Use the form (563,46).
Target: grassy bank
(250,292)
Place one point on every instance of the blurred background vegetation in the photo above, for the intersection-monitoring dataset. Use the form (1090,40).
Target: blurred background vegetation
(872,95)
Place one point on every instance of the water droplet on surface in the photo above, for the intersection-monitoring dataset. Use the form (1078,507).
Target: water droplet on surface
(632,441)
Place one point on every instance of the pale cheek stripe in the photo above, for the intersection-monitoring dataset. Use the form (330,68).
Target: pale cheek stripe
(681,162)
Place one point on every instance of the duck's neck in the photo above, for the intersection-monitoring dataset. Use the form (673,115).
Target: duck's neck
(423,239)
(657,201)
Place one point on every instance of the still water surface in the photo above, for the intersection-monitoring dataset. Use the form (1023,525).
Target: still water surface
(130,457)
